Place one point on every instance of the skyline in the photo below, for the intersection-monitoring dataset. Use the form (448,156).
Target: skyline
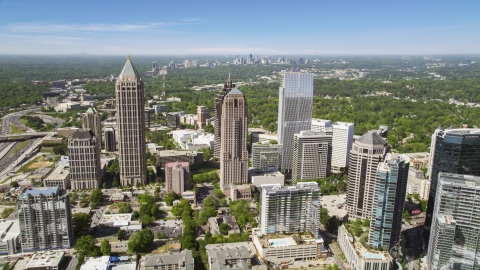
(182,28)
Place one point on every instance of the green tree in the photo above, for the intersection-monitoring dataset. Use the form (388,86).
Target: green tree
(224,228)
(366,223)
(81,223)
(171,196)
(406,215)
(332,224)
(324,217)
(86,245)
(120,235)
(14,184)
(105,247)
(96,197)
(140,241)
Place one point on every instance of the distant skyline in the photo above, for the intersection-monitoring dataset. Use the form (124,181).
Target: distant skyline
(239,27)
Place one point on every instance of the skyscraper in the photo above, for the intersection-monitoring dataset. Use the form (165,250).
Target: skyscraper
(341,145)
(131,126)
(388,201)
(177,177)
(290,209)
(203,114)
(110,142)
(452,151)
(294,111)
(312,154)
(454,235)
(84,154)
(92,121)
(234,153)
(367,152)
(45,219)
(218,116)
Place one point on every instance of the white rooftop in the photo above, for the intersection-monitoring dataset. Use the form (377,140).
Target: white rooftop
(45,260)
(95,263)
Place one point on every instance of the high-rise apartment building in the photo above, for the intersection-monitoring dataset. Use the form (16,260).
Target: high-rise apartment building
(177,177)
(227,87)
(367,152)
(452,151)
(131,126)
(294,111)
(234,153)
(454,235)
(45,219)
(203,114)
(341,145)
(290,209)
(312,154)
(84,155)
(388,201)
(266,155)
(321,125)
(110,141)
(92,121)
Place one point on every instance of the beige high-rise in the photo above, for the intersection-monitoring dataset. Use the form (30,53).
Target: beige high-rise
(84,154)
(218,117)
(177,177)
(92,121)
(203,114)
(131,126)
(234,153)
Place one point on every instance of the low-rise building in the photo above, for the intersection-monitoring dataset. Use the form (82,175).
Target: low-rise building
(286,249)
(215,222)
(59,177)
(46,260)
(228,257)
(190,196)
(168,261)
(116,220)
(359,257)
(259,177)
(101,262)
(241,192)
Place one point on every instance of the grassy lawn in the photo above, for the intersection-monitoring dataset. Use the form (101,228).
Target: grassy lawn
(15,129)
(19,147)
(37,163)
(203,170)
(24,122)
(46,150)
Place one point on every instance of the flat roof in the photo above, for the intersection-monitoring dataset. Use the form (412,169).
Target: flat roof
(332,202)
(116,219)
(45,259)
(95,263)
(60,172)
(282,242)
(9,229)
(43,190)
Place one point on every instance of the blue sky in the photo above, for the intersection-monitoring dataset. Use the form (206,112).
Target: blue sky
(178,27)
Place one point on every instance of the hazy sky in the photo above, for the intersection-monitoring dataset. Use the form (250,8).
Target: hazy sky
(176,27)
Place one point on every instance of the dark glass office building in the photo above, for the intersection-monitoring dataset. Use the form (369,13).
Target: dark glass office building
(452,151)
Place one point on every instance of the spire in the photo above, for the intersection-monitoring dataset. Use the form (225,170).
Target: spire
(229,84)
(128,57)
(129,70)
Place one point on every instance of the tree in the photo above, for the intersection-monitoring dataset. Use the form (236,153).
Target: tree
(157,235)
(120,235)
(96,197)
(115,183)
(14,184)
(332,224)
(105,247)
(86,246)
(366,223)
(406,215)
(171,196)
(324,217)
(104,185)
(224,228)
(357,231)
(139,241)
(81,223)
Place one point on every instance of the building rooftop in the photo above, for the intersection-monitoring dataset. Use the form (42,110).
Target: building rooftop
(371,138)
(335,204)
(234,91)
(260,172)
(228,246)
(116,219)
(35,191)
(272,188)
(217,265)
(167,153)
(279,240)
(9,229)
(129,70)
(45,260)
(60,172)
(95,263)
(83,134)
(183,260)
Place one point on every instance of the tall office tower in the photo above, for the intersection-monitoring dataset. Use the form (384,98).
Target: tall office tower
(294,111)
(131,126)
(154,66)
(92,121)
(84,155)
(452,151)
(177,177)
(45,219)
(203,114)
(388,201)
(321,125)
(367,152)
(312,155)
(234,153)
(218,116)
(110,142)
(290,209)
(266,155)
(454,235)
(341,145)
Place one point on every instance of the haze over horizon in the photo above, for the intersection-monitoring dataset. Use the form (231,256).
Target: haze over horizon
(223,28)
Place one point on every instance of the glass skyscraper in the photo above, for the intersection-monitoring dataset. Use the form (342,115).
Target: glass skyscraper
(452,151)
(294,111)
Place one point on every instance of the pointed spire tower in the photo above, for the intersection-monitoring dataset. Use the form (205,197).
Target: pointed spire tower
(227,87)
(131,126)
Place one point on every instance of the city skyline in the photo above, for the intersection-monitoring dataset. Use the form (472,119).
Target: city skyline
(173,28)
